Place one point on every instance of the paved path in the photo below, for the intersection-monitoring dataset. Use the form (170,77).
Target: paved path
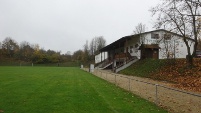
(174,101)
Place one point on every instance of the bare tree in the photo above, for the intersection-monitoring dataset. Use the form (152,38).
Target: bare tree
(180,16)
(199,44)
(140,28)
(100,43)
(86,52)
(92,47)
(96,44)
(169,46)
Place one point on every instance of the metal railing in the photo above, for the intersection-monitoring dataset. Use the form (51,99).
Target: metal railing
(172,99)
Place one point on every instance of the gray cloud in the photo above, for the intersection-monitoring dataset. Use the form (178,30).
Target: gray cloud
(66,24)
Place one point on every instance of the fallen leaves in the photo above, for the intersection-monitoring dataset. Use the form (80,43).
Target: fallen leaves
(182,77)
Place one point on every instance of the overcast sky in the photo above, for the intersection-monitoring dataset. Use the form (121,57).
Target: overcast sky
(65,25)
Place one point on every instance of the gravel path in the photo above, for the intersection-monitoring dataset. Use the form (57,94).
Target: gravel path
(161,94)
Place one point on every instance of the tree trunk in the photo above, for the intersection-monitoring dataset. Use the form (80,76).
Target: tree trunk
(142,48)
(189,60)
(189,56)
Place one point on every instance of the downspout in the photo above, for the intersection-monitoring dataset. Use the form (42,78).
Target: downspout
(101,56)
(114,59)
(126,50)
(119,55)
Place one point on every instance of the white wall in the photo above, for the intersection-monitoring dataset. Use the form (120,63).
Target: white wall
(98,57)
(134,51)
(176,45)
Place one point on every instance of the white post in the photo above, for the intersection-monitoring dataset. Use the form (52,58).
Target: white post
(156,98)
(101,57)
(104,56)
(91,68)
(114,65)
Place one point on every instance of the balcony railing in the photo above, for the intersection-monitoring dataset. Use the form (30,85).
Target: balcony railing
(123,55)
(120,55)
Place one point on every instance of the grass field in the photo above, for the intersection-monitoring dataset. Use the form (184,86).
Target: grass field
(143,68)
(64,90)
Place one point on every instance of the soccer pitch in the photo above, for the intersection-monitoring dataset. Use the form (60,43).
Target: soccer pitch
(64,90)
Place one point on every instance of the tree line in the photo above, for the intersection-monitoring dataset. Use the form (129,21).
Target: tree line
(90,49)
(27,52)
(11,50)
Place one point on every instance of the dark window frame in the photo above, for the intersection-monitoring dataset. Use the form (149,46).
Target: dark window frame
(155,36)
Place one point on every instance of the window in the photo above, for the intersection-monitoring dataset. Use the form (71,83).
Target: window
(167,36)
(154,36)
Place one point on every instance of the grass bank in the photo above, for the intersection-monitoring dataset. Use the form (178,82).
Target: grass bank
(144,68)
(64,90)
(173,71)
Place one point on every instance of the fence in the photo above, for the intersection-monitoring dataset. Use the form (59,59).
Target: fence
(171,99)
(66,64)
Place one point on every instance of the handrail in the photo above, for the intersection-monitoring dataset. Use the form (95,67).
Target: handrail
(131,59)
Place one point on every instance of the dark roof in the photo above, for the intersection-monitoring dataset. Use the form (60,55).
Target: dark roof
(115,43)
(123,39)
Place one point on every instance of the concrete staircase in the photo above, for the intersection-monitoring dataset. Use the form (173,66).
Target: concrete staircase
(126,65)
(107,65)
(104,64)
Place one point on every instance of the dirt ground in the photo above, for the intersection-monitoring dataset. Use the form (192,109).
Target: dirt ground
(158,92)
